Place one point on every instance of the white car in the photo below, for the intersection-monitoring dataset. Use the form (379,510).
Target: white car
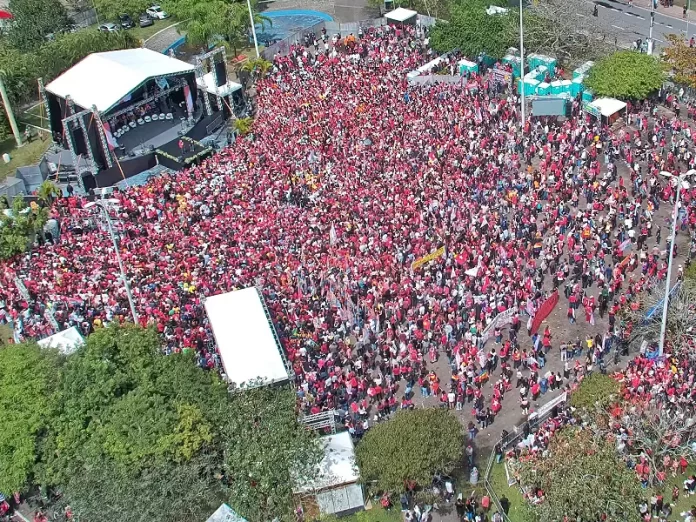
(156,13)
(109,28)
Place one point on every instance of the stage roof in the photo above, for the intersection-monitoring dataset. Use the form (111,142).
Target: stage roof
(104,79)
(245,338)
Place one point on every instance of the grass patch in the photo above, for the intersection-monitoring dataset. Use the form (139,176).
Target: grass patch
(520,511)
(685,502)
(376,514)
(5,333)
(36,115)
(143,33)
(29,154)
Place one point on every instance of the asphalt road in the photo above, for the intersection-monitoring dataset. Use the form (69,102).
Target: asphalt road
(628,23)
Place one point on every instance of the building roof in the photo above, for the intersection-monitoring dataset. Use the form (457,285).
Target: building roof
(245,338)
(104,79)
(400,14)
(337,468)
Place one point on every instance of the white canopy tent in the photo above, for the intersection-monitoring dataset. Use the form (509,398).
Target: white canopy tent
(225,514)
(66,341)
(246,339)
(104,79)
(336,483)
(401,16)
(608,106)
(207,83)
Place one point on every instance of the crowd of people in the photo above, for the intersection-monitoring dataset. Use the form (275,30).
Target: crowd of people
(351,176)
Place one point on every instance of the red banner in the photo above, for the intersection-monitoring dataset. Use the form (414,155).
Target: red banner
(544,311)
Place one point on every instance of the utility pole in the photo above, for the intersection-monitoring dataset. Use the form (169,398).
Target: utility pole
(524,119)
(253,28)
(652,23)
(10,114)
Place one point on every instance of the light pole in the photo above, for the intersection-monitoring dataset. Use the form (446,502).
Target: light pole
(670,255)
(652,23)
(101,204)
(253,28)
(522,67)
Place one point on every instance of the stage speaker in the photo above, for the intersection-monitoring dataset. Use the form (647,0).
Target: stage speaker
(220,74)
(78,138)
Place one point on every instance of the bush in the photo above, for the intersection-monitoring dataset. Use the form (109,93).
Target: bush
(595,391)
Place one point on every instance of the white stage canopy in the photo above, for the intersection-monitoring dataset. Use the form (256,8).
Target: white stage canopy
(104,79)
(66,341)
(400,15)
(245,338)
(207,83)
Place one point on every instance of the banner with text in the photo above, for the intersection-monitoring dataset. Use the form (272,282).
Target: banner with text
(433,255)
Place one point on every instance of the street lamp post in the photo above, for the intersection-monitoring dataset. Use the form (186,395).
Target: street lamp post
(522,66)
(253,28)
(670,255)
(102,206)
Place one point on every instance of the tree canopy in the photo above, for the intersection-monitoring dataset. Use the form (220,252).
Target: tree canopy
(34,20)
(626,75)
(17,230)
(110,9)
(129,434)
(595,391)
(582,478)
(681,58)
(413,446)
(29,376)
(471,30)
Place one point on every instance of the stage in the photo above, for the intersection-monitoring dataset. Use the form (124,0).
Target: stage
(143,138)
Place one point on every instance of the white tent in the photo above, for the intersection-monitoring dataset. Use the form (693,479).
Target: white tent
(336,483)
(246,338)
(400,15)
(608,106)
(66,341)
(207,83)
(225,514)
(104,79)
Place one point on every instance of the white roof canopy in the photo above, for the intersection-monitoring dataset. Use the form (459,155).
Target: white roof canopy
(245,338)
(400,14)
(608,106)
(66,341)
(337,468)
(225,514)
(104,79)
(207,83)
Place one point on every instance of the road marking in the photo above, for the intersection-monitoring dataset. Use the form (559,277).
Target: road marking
(579,14)
(619,28)
(634,15)
(658,40)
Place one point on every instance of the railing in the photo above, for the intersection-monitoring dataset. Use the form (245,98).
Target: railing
(512,439)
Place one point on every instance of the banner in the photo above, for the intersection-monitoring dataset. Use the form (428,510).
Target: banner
(501,320)
(544,311)
(110,141)
(189,99)
(625,261)
(500,76)
(434,255)
(659,305)
(625,246)
(591,109)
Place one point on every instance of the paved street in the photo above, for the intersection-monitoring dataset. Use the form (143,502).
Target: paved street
(630,22)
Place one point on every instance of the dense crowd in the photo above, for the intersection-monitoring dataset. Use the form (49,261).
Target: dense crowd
(352,175)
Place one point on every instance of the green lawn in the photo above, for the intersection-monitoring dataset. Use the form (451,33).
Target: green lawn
(143,33)
(29,154)
(375,514)
(519,509)
(685,502)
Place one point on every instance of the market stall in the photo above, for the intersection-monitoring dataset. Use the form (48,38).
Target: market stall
(608,110)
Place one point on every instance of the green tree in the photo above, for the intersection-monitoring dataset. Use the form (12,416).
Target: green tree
(583,479)
(213,21)
(140,436)
(47,192)
(243,125)
(471,30)
(414,445)
(29,375)
(626,75)
(110,9)
(34,20)
(596,392)
(19,229)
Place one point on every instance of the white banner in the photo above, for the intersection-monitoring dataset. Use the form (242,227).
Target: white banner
(501,320)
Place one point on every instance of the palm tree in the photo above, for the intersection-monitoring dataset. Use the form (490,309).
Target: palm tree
(47,192)
(243,125)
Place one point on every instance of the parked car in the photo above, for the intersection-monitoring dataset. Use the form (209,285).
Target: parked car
(108,28)
(145,20)
(126,21)
(156,13)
